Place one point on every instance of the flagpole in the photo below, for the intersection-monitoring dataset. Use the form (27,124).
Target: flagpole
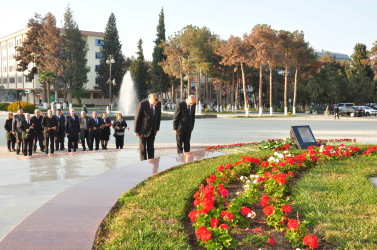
(110,61)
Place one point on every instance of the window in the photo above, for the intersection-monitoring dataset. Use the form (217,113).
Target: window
(5,69)
(99,42)
(5,80)
(4,58)
(97,67)
(97,95)
(27,79)
(11,45)
(19,79)
(11,68)
(12,79)
(4,47)
(98,55)
(86,95)
(11,56)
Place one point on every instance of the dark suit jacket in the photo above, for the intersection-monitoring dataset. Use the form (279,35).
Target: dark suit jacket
(38,124)
(49,122)
(184,120)
(23,126)
(92,124)
(16,120)
(72,127)
(61,124)
(145,123)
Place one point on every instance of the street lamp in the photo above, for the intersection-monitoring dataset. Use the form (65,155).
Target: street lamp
(110,61)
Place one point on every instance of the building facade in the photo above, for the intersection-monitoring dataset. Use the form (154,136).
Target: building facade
(15,85)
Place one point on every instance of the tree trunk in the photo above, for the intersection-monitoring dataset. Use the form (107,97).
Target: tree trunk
(210,93)
(244,91)
(197,90)
(48,94)
(285,90)
(260,90)
(207,92)
(172,90)
(271,106)
(182,90)
(188,84)
(237,91)
(294,93)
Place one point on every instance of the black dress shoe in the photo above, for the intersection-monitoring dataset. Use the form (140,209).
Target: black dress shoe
(25,154)
(69,150)
(74,150)
(18,152)
(9,150)
(84,149)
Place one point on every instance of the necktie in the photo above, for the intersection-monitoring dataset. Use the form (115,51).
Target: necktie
(73,118)
(189,109)
(96,120)
(28,122)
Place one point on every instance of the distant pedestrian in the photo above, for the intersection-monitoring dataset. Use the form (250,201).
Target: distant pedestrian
(119,126)
(84,108)
(336,112)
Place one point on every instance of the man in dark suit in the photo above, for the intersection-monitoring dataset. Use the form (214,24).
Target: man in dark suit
(27,133)
(84,132)
(15,128)
(38,131)
(72,128)
(49,125)
(60,132)
(94,130)
(183,123)
(147,123)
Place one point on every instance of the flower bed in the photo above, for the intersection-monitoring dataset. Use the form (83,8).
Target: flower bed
(266,182)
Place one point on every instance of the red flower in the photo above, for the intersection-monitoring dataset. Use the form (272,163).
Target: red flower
(192,215)
(227,215)
(268,210)
(245,210)
(196,201)
(214,222)
(286,209)
(228,166)
(224,226)
(211,179)
(311,241)
(290,173)
(208,204)
(286,146)
(221,168)
(264,200)
(203,234)
(314,158)
(310,147)
(256,230)
(265,164)
(267,175)
(203,211)
(223,192)
(271,239)
(280,178)
(292,223)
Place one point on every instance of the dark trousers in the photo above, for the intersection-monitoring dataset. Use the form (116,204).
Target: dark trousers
(119,141)
(59,141)
(49,140)
(11,142)
(93,137)
(39,138)
(85,136)
(72,143)
(27,146)
(183,139)
(146,145)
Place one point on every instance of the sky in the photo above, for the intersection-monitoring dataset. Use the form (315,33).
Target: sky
(334,25)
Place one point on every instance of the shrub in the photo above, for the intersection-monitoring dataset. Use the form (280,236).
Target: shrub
(26,106)
(4,106)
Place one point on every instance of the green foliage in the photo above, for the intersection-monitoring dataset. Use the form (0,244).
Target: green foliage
(258,239)
(4,106)
(360,62)
(139,72)
(112,46)
(74,55)
(26,106)
(160,80)
(78,93)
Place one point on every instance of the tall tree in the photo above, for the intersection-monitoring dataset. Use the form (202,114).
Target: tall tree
(74,57)
(50,54)
(238,53)
(112,47)
(373,59)
(360,62)
(160,80)
(139,72)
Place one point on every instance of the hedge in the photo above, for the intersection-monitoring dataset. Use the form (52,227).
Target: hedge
(4,106)
(26,106)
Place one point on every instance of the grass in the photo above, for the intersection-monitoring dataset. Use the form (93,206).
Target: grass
(152,215)
(340,203)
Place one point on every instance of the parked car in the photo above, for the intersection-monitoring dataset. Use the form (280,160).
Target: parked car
(351,111)
(321,110)
(345,104)
(368,110)
(370,104)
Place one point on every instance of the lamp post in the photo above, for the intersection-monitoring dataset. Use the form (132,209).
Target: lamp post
(110,61)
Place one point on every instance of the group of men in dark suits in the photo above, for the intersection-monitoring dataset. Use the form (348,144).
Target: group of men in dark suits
(147,124)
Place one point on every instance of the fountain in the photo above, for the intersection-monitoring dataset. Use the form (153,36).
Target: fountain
(199,108)
(127,95)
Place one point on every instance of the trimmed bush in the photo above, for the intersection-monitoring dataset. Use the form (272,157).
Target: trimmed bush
(4,106)
(26,106)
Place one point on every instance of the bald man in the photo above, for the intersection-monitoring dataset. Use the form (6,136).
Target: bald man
(183,123)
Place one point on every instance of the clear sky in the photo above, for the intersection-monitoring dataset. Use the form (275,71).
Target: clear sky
(330,25)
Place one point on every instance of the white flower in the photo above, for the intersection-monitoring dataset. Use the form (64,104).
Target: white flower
(248,181)
(242,178)
(276,153)
(271,158)
(320,150)
(246,186)
(285,152)
(255,181)
(289,155)
(251,215)
(237,193)
(280,156)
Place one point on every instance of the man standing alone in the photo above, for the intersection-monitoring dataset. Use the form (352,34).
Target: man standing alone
(147,124)
(183,123)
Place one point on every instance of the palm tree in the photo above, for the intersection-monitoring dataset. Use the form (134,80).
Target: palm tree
(47,77)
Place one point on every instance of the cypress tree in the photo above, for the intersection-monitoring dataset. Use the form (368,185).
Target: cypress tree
(160,80)
(74,56)
(112,46)
(139,72)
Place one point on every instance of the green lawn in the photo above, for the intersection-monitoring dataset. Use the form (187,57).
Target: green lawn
(340,202)
(151,216)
